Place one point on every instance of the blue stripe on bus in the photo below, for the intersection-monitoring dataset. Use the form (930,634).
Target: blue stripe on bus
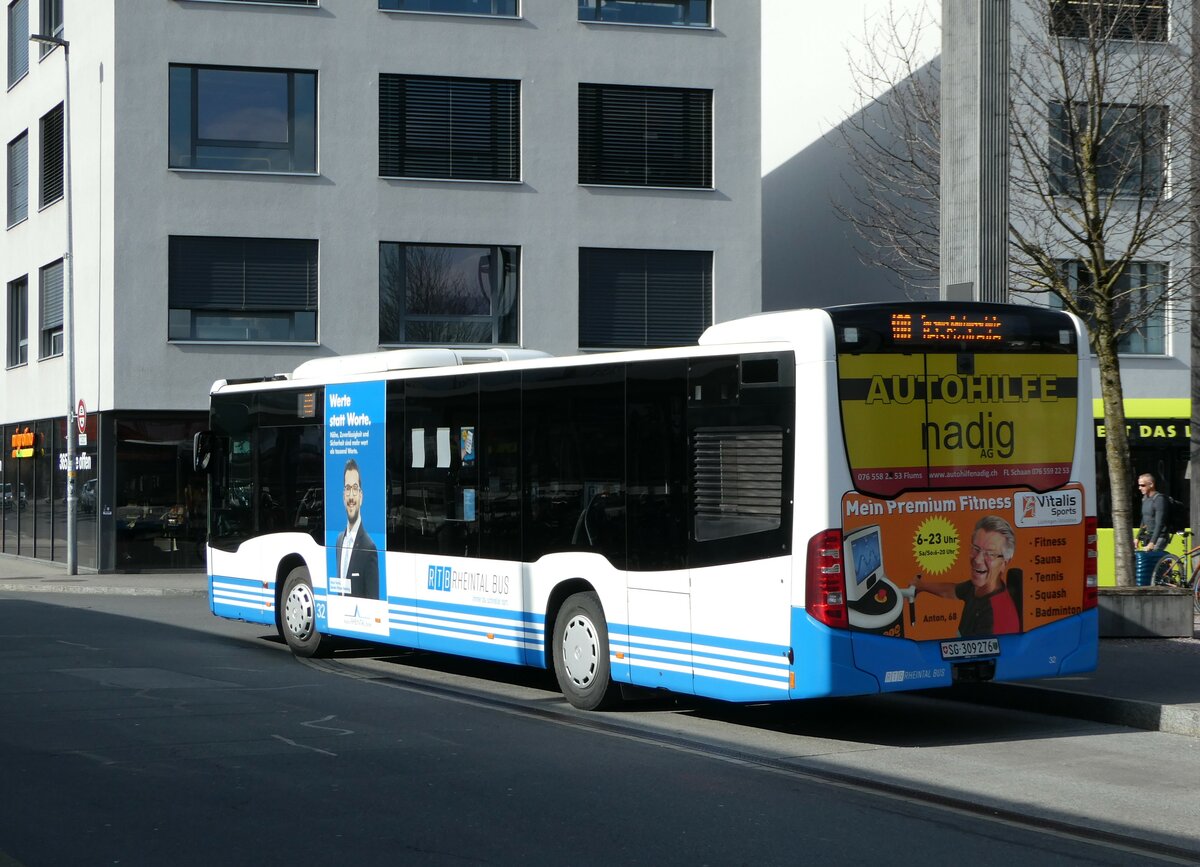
(720,642)
(241,599)
(476,631)
(777,668)
(719,666)
(454,607)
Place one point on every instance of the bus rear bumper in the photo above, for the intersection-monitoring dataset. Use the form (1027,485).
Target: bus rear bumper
(1069,646)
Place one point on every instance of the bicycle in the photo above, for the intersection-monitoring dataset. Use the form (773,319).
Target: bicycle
(1183,572)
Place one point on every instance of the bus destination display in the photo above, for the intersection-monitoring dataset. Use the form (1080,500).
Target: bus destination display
(968,327)
(954,327)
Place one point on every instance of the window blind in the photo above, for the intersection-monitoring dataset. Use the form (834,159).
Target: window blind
(18,40)
(51,295)
(18,178)
(209,273)
(641,298)
(452,128)
(645,136)
(52,156)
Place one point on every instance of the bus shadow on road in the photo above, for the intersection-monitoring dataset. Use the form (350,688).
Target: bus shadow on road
(924,719)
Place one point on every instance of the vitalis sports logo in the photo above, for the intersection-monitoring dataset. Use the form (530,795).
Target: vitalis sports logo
(1048,510)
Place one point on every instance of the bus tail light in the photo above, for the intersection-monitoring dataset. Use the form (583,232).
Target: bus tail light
(825,597)
(1091,581)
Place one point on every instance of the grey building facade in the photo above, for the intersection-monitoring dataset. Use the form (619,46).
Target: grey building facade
(255,184)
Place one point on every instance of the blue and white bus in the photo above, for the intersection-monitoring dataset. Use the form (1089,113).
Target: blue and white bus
(808,503)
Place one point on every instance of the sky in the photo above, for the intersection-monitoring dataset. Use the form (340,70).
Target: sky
(807,88)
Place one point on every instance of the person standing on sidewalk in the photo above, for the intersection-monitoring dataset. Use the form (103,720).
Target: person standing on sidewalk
(1152,536)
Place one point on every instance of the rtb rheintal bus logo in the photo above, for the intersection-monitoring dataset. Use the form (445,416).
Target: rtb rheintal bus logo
(439,578)
(443,579)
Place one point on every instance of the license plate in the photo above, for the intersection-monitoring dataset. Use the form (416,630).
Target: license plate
(967,648)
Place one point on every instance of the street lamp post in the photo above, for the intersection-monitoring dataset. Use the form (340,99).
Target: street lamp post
(68,310)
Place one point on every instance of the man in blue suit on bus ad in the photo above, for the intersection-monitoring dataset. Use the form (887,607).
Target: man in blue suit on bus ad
(357,556)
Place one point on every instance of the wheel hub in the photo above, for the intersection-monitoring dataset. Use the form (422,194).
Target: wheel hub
(581,650)
(299,612)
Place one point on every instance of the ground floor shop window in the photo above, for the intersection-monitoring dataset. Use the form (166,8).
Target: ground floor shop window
(157,502)
(33,483)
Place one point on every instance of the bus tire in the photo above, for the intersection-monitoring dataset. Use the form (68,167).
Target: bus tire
(298,617)
(580,652)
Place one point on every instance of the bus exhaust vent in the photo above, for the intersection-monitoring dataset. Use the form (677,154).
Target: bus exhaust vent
(738,481)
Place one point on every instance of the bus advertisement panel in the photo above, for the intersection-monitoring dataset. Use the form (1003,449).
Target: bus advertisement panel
(963,522)
(355,506)
(960,419)
(965,563)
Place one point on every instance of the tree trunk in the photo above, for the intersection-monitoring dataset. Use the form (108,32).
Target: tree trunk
(1116,447)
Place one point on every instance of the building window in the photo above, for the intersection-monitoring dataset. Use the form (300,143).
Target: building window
(50,305)
(243,120)
(645,136)
(496,8)
(448,294)
(689,13)
(18,179)
(51,188)
(52,23)
(242,289)
(18,40)
(449,128)
(18,322)
(1102,20)
(1127,150)
(643,298)
(1139,287)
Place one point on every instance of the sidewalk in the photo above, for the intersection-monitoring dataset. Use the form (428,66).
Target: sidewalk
(25,575)
(1146,683)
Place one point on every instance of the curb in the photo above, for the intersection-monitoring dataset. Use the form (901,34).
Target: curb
(1132,713)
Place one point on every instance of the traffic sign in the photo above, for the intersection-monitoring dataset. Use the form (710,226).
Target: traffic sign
(81,417)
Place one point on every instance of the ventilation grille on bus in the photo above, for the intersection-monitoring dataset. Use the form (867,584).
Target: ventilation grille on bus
(738,481)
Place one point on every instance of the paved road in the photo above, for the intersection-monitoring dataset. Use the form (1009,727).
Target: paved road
(143,731)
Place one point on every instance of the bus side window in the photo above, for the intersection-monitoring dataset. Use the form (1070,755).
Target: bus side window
(499,449)
(573,461)
(441,473)
(656,431)
(741,419)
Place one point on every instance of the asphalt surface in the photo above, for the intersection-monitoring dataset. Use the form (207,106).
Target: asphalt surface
(1145,683)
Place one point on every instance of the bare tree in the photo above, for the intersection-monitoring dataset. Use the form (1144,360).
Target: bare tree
(1100,122)
(893,143)
(1101,189)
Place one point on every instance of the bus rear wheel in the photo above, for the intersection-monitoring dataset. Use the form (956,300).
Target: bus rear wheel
(298,619)
(580,651)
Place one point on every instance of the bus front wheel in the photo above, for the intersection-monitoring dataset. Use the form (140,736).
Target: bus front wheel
(299,616)
(580,649)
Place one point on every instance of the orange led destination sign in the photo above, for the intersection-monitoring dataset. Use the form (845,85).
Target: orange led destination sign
(957,327)
(968,327)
